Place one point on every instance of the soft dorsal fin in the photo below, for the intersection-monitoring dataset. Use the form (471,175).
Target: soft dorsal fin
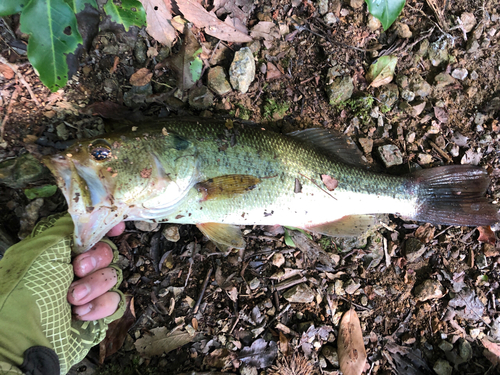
(332,143)
(223,235)
(348,226)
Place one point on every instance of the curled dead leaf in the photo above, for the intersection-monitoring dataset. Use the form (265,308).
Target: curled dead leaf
(486,235)
(381,72)
(6,71)
(350,347)
(141,77)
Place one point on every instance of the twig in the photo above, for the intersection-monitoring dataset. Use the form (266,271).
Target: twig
(189,271)
(21,79)
(9,110)
(203,289)
(440,151)
(314,182)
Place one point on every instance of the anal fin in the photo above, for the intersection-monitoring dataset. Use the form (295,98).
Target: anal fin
(347,226)
(226,186)
(223,235)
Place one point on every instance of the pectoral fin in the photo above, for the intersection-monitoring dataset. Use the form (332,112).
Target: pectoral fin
(347,226)
(226,186)
(223,235)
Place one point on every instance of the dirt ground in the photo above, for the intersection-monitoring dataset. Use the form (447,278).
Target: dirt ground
(426,295)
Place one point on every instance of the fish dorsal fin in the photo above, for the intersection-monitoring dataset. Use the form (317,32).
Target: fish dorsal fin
(332,143)
(226,186)
(347,226)
(223,235)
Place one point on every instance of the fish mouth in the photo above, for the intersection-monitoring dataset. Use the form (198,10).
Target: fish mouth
(90,203)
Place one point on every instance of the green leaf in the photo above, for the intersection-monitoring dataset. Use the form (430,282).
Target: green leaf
(196,66)
(386,11)
(127,12)
(40,191)
(381,71)
(288,240)
(53,34)
(8,7)
(78,5)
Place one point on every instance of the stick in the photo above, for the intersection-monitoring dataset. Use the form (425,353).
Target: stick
(203,289)
(21,78)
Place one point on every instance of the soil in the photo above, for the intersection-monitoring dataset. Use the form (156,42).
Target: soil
(404,333)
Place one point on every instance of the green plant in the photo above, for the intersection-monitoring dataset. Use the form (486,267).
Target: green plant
(386,11)
(274,110)
(53,29)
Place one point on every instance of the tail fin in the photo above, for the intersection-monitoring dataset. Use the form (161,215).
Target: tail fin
(454,195)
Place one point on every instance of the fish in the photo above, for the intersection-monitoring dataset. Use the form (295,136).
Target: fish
(221,174)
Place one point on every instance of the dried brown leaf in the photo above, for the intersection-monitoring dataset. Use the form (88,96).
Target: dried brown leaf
(486,235)
(350,348)
(160,340)
(265,30)
(158,18)
(492,352)
(272,73)
(6,71)
(330,183)
(141,77)
(200,17)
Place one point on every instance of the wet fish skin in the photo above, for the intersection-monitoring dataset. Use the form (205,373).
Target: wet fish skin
(219,174)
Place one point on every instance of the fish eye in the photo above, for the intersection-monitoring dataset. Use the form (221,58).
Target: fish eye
(100,150)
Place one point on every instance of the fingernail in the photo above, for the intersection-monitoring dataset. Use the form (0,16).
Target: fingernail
(80,291)
(88,264)
(81,311)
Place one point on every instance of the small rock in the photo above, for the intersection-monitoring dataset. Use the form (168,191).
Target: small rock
(420,87)
(407,95)
(18,172)
(340,89)
(278,259)
(339,287)
(364,300)
(301,293)
(390,155)
(248,370)
(445,346)
(373,23)
(474,75)
(443,80)
(322,6)
(242,70)
(442,367)
(468,21)
(424,159)
(331,355)
(388,95)
(429,289)
(356,4)
(140,51)
(460,73)
(29,217)
(403,30)
(351,286)
(414,109)
(134,279)
(481,261)
(453,149)
(480,118)
(366,144)
(414,249)
(62,131)
(201,97)
(465,350)
(217,81)
(330,19)
(171,233)
(254,283)
(438,52)
(472,46)
(145,226)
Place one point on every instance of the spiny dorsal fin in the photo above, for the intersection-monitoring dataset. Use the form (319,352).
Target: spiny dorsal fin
(223,235)
(226,186)
(332,143)
(348,226)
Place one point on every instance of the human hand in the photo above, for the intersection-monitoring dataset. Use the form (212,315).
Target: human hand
(90,294)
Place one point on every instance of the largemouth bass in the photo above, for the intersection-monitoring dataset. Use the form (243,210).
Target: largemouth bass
(220,175)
